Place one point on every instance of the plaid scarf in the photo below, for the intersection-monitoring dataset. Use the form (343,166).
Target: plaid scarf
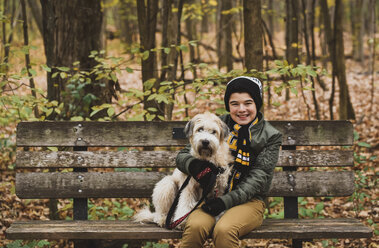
(239,143)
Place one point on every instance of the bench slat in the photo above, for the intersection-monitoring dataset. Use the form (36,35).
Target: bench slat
(160,133)
(141,184)
(141,159)
(271,228)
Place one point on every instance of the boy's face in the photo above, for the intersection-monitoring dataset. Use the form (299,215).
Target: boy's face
(242,108)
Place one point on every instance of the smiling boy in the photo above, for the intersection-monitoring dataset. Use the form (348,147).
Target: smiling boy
(255,146)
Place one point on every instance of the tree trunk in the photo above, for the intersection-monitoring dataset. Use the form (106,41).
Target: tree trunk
(253,35)
(331,47)
(346,110)
(16,10)
(147,22)
(205,17)
(225,31)
(323,40)
(292,33)
(309,56)
(178,41)
(166,14)
(312,28)
(192,35)
(169,38)
(372,33)
(27,57)
(4,68)
(228,42)
(220,35)
(357,28)
(69,35)
(127,25)
(35,7)
(271,13)
(266,62)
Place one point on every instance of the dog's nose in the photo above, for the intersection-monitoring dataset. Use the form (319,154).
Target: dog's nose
(205,143)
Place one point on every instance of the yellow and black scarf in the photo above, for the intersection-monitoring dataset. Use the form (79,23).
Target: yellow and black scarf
(239,143)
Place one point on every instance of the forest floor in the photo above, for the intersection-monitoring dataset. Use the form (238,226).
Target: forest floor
(364,205)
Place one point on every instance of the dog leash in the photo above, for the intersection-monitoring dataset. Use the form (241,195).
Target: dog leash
(171,225)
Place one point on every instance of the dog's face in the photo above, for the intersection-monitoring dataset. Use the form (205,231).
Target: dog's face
(205,132)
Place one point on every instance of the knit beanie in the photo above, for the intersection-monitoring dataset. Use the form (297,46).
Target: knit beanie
(250,85)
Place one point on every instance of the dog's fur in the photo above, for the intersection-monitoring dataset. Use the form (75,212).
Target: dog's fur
(207,135)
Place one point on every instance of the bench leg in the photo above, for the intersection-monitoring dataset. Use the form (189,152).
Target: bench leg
(291,207)
(108,243)
(135,244)
(297,243)
(84,243)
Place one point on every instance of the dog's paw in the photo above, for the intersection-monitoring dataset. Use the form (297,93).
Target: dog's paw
(160,219)
(144,216)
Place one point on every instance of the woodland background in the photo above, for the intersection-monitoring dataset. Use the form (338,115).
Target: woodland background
(114,60)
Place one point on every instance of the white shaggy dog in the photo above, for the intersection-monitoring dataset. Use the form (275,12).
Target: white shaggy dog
(207,135)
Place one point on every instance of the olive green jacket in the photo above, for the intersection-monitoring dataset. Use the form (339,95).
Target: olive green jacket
(265,144)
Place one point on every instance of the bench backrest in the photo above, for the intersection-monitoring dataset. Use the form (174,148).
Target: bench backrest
(76,175)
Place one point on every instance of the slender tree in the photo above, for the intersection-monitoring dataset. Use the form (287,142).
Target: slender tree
(312,31)
(191,24)
(292,32)
(309,55)
(270,16)
(169,55)
(178,41)
(125,20)
(330,40)
(253,32)
(205,16)
(322,37)
(147,24)
(35,8)
(4,39)
(292,35)
(167,40)
(225,31)
(27,57)
(346,110)
(357,22)
(15,11)
(372,33)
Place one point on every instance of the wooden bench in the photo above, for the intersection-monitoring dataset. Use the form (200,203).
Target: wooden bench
(83,180)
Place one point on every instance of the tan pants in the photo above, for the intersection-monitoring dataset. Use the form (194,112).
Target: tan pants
(235,223)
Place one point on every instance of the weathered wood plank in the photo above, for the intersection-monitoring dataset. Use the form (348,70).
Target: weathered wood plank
(312,183)
(85,185)
(98,134)
(97,159)
(298,133)
(141,184)
(140,159)
(316,158)
(311,229)
(280,229)
(161,133)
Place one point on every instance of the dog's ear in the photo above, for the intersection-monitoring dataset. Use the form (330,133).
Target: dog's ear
(188,129)
(224,130)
